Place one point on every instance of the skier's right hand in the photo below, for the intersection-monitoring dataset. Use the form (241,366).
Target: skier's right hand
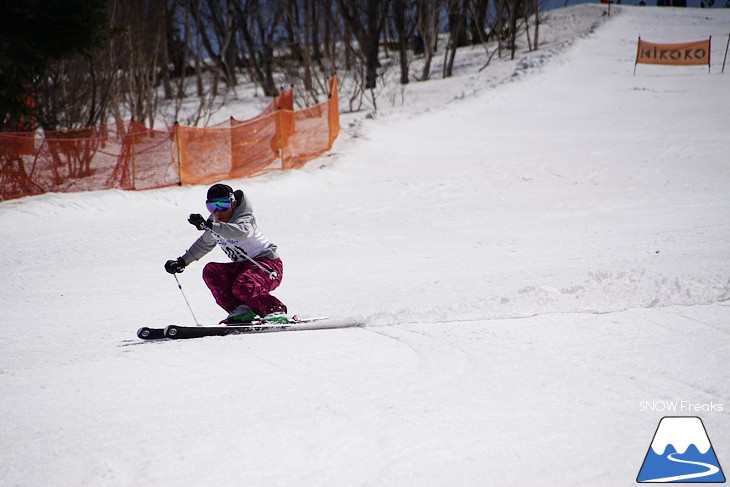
(175,266)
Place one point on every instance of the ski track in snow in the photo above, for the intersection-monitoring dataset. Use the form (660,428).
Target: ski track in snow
(531,250)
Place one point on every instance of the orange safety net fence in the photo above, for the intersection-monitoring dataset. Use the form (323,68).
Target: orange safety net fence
(303,137)
(129,156)
(124,155)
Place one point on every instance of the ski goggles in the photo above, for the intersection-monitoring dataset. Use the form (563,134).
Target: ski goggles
(218,204)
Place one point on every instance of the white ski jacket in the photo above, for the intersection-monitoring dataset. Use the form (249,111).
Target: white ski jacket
(240,234)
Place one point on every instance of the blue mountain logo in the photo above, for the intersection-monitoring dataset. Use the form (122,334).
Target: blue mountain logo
(681,452)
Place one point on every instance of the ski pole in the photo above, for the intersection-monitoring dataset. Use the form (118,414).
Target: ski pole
(241,253)
(186,299)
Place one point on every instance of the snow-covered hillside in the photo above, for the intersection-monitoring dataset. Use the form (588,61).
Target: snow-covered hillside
(538,251)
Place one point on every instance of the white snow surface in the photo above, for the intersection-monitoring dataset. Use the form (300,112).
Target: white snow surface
(535,250)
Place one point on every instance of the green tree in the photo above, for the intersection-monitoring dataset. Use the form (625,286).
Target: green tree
(33,34)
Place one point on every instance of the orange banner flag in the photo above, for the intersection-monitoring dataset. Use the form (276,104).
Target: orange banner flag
(685,54)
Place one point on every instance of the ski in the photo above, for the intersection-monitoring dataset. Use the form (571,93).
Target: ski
(177,332)
(147,333)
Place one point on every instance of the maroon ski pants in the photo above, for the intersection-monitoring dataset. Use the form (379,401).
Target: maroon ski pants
(236,283)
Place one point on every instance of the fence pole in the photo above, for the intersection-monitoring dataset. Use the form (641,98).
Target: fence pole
(134,159)
(280,135)
(176,130)
(709,54)
(333,111)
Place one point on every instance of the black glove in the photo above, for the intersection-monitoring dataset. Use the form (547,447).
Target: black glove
(197,220)
(175,266)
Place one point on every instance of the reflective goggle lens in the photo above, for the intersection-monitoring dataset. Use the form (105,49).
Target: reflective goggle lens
(221,204)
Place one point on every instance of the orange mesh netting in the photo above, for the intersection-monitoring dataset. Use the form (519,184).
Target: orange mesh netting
(151,159)
(129,156)
(124,155)
(246,149)
(285,101)
(309,132)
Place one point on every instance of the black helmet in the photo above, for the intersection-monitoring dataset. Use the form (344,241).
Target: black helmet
(220,191)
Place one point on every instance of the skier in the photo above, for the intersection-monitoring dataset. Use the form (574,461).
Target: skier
(240,287)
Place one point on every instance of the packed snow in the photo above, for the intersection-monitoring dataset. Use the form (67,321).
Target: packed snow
(538,254)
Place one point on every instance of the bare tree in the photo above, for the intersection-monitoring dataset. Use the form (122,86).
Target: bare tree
(259,26)
(457,12)
(215,24)
(514,15)
(73,94)
(365,19)
(403,27)
(192,79)
(331,31)
(143,43)
(427,20)
(315,39)
(121,77)
(301,17)
(477,21)
(164,52)
(535,10)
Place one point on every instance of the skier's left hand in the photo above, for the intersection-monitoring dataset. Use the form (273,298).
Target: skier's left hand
(197,220)
(175,266)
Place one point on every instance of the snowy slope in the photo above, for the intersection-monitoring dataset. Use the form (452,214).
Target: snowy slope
(533,259)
